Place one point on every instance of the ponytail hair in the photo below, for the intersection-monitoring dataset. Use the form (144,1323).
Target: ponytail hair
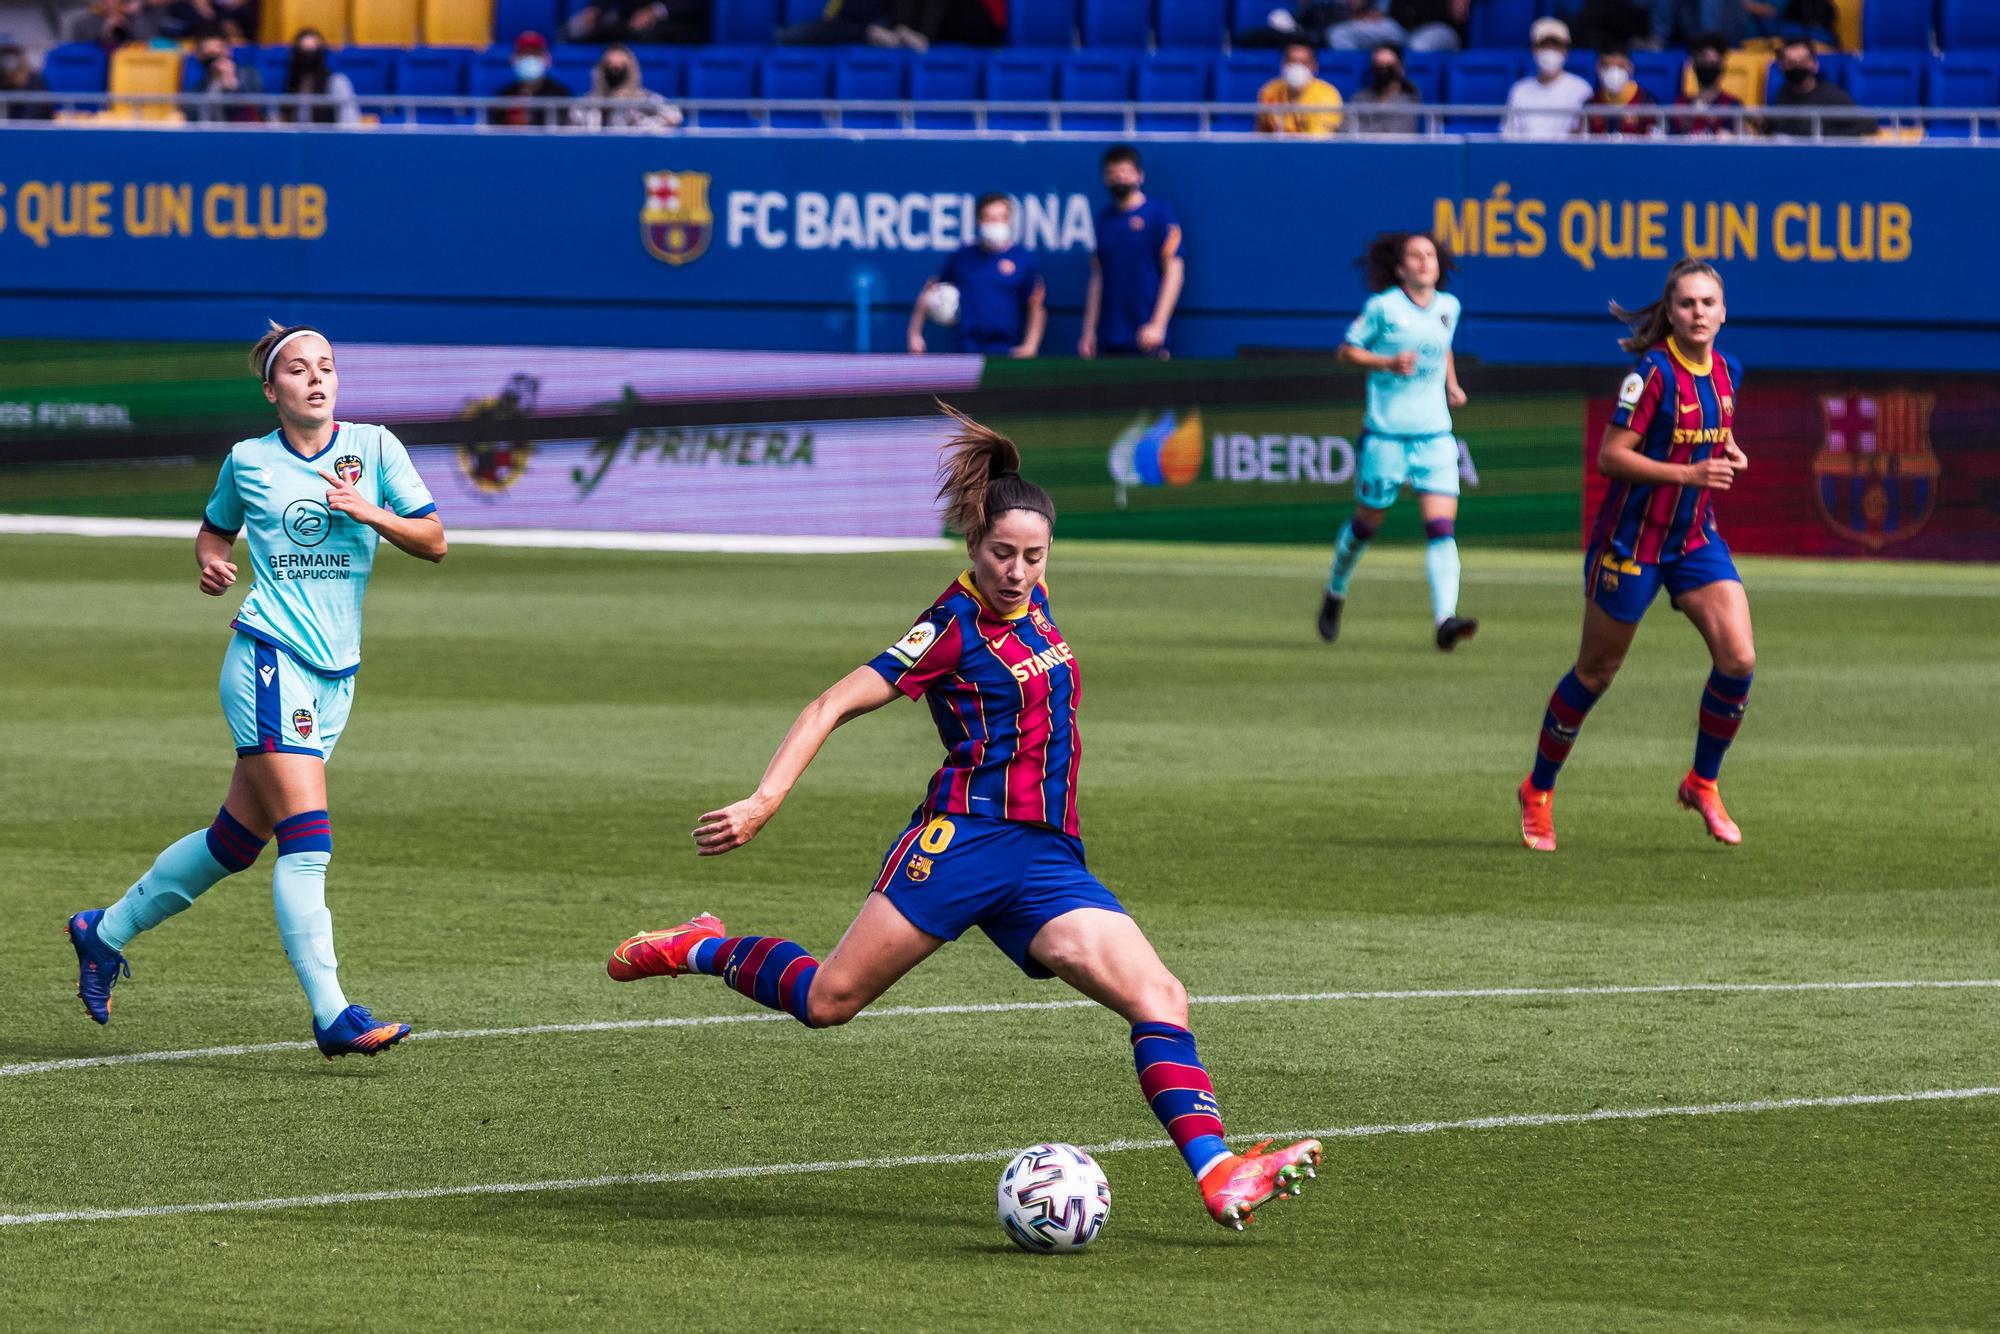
(1650,324)
(979,479)
(1384,256)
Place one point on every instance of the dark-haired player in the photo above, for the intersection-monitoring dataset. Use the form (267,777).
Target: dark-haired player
(995,842)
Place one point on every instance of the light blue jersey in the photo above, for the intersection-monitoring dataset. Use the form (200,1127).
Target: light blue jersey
(312,564)
(1390,323)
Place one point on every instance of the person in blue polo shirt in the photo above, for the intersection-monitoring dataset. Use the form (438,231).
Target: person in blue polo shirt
(999,289)
(1135,276)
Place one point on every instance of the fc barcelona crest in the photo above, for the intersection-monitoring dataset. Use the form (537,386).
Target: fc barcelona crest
(919,868)
(676,223)
(302,723)
(1875,477)
(347,468)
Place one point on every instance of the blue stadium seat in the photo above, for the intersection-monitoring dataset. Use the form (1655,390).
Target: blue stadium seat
(1481,78)
(864,75)
(1239,76)
(1502,24)
(433,71)
(723,72)
(1887,79)
(946,76)
(1583,64)
(76,67)
(1192,23)
(1344,70)
(1964,80)
(1896,25)
(492,69)
(1968,25)
(798,74)
(1020,76)
(663,69)
(1050,23)
(746,22)
(1426,70)
(511,18)
(1175,76)
(1247,16)
(371,69)
(1094,76)
(1659,73)
(1126,23)
(793,12)
(274,66)
(1833,68)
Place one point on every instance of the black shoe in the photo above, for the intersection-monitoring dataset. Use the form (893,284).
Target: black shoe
(1329,616)
(1454,628)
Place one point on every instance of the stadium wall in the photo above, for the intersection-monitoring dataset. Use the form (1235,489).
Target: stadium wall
(1836,257)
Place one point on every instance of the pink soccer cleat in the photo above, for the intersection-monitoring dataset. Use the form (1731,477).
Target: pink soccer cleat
(1701,794)
(1240,1184)
(662,953)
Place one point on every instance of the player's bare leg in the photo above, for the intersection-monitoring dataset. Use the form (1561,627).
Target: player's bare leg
(1721,613)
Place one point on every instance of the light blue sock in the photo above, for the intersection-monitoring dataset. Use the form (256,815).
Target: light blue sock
(298,894)
(1441,564)
(178,877)
(1347,552)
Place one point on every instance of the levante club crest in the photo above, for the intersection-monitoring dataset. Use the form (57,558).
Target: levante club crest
(676,222)
(1875,477)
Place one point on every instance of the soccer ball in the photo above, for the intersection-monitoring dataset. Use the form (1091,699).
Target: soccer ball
(1053,1197)
(942,304)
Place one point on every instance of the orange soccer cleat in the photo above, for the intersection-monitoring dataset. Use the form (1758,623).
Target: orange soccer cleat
(1701,794)
(1538,817)
(662,953)
(1241,1183)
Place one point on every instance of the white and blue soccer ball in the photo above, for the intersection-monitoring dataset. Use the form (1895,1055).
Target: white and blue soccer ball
(1053,1197)
(941,304)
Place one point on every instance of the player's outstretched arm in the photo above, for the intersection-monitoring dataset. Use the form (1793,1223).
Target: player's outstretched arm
(211,556)
(861,691)
(420,537)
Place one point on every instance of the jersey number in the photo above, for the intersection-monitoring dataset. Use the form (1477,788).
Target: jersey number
(937,836)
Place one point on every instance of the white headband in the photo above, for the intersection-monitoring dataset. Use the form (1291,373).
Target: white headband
(271,357)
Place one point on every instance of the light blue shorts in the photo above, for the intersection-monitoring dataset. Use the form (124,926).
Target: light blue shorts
(1426,463)
(275,703)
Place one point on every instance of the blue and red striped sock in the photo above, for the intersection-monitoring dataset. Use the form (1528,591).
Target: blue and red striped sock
(1176,1086)
(1568,707)
(776,973)
(178,877)
(1722,705)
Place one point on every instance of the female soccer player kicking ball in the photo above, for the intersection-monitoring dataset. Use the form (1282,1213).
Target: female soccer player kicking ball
(993,845)
(317,496)
(1403,338)
(1670,447)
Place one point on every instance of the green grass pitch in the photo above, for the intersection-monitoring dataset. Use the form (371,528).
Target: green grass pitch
(536,731)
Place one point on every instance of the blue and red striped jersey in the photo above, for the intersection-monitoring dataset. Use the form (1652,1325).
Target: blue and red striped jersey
(1004,692)
(1683,411)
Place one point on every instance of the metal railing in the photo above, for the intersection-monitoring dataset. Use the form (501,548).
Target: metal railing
(739,117)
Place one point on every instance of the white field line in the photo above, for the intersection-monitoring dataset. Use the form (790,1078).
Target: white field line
(72,526)
(1514,1122)
(1012,1007)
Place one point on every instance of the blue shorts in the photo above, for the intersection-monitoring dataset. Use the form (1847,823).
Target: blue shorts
(1009,879)
(1625,588)
(1427,463)
(275,703)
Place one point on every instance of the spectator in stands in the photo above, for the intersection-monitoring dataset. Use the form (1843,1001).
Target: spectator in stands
(1610,107)
(531,80)
(1387,103)
(1697,112)
(678,22)
(1000,291)
(1298,85)
(1813,20)
(233,19)
(618,81)
(846,23)
(1684,20)
(1136,271)
(1420,25)
(1545,104)
(1597,24)
(113,23)
(19,75)
(914,24)
(1804,92)
(310,76)
(220,76)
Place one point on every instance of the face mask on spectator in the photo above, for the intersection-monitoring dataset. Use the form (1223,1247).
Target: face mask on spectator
(530,69)
(615,76)
(1122,191)
(1297,75)
(996,235)
(1387,77)
(1797,74)
(1550,59)
(309,59)
(1613,78)
(1707,73)
(10,64)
